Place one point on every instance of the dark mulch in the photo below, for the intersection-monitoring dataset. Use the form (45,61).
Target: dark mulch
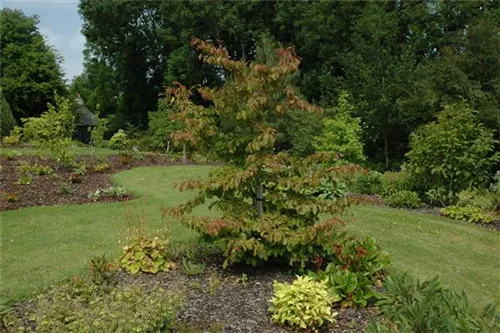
(46,190)
(228,301)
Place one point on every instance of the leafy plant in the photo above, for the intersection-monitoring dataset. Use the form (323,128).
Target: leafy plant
(75,178)
(267,209)
(12,155)
(65,188)
(119,141)
(161,125)
(439,196)
(393,182)
(94,195)
(342,133)
(79,307)
(102,271)
(10,197)
(53,130)
(428,307)
(115,191)
(361,255)
(469,213)
(13,138)
(35,169)
(353,289)
(304,304)
(455,152)
(144,254)
(368,183)
(102,167)
(191,268)
(405,198)
(214,282)
(24,179)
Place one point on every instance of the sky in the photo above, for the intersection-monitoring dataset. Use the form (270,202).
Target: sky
(60,24)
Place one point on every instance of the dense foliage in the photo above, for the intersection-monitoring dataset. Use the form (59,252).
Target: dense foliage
(400,61)
(266,199)
(304,304)
(429,307)
(342,133)
(467,213)
(145,254)
(53,130)
(30,68)
(82,307)
(161,125)
(454,153)
(7,121)
(119,141)
(404,199)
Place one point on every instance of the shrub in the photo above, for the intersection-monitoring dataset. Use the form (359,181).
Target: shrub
(161,125)
(98,130)
(7,121)
(393,182)
(304,304)
(361,255)
(53,130)
(102,167)
(13,138)
(119,141)
(475,198)
(359,264)
(102,271)
(368,183)
(342,133)
(428,307)
(86,308)
(267,210)
(468,213)
(144,254)
(455,152)
(404,199)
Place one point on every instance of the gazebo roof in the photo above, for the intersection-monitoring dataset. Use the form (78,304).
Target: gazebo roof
(85,116)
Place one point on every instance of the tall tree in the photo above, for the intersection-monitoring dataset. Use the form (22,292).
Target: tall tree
(30,71)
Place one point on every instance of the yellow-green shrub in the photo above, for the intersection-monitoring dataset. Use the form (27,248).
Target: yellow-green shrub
(305,303)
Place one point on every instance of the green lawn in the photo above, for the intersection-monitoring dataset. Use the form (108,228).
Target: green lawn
(44,245)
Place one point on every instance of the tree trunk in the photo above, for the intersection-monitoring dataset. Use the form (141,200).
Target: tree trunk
(259,200)
(386,150)
(184,154)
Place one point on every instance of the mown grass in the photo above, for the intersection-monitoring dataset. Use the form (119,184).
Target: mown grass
(45,245)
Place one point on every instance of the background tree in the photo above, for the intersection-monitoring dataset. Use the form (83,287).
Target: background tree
(30,70)
(7,121)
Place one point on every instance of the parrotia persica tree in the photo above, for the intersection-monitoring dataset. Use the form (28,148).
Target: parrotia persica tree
(270,203)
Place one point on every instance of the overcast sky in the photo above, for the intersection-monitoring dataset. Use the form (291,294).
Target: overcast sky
(60,23)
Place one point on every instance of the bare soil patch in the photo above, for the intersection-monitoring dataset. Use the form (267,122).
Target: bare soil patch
(46,190)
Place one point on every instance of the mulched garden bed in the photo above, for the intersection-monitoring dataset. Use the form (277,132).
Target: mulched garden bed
(46,190)
(237,301)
